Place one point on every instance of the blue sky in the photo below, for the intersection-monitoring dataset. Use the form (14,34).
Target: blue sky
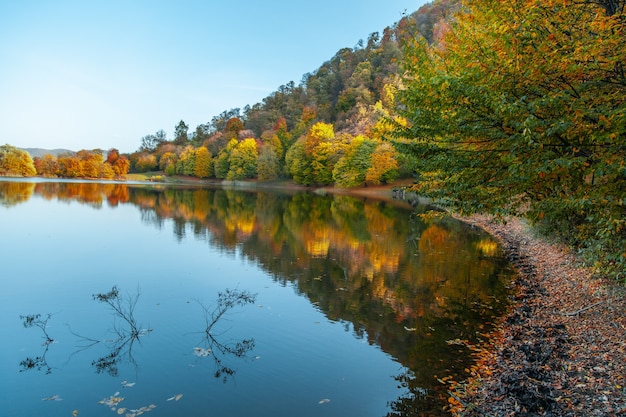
(101,74)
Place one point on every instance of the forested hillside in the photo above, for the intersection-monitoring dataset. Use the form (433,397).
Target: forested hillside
(331,128)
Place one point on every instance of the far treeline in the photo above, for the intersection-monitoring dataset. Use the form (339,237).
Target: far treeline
(508,108)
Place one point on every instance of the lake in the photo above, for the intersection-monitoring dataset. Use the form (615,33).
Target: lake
(132,299)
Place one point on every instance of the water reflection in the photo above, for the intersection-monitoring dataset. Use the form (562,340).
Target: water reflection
(213,344)
(126,332)
(399,281)
(37,362)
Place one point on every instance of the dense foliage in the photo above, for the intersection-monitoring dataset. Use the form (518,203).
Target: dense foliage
(520,108)
(15,162)
(83,164)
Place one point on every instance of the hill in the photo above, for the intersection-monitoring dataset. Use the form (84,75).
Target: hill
(34,152)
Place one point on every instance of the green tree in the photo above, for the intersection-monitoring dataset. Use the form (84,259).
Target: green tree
(351,169)
(180,133)
(167,159)
(222,163)
(186,163)
(150,143)
(16,162)
(297,164)
(521,109)
(268,166)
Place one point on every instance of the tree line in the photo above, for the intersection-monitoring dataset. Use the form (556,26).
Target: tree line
(82,164)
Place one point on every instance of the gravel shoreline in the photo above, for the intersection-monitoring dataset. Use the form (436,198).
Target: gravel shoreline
(561,350)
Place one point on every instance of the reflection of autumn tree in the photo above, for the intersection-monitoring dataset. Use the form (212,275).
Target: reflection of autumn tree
(91,193)
(402,282)
(115,194)
(405,283)
(12,193)
(442,270)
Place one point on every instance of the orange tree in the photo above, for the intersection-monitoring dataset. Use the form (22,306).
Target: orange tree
(521,109)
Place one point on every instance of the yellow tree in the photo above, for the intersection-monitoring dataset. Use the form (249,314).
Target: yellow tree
(167,159)
(204,163)
(69,166)
(16,162)
(91,162)
(243,160)
(383,164)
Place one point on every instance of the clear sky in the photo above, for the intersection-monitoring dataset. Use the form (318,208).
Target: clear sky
(89,74)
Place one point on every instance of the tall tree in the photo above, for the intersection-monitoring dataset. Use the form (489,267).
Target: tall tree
(180,133)
(46,165)
(149,143)
(234,125)
(204,163)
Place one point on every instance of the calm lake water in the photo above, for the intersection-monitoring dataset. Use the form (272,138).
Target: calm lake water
(329,306)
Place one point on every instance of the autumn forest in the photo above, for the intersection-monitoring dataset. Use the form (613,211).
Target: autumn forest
(507,108)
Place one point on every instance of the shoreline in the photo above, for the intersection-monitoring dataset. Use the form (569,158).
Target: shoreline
(561,350)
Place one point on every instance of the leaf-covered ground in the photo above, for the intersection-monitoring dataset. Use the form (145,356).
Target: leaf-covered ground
(561,350)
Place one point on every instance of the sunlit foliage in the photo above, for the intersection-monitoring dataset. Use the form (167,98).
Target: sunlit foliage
(204,163)
(186,163)
(46,165)
(16,162)
(243,160)
(383,165)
